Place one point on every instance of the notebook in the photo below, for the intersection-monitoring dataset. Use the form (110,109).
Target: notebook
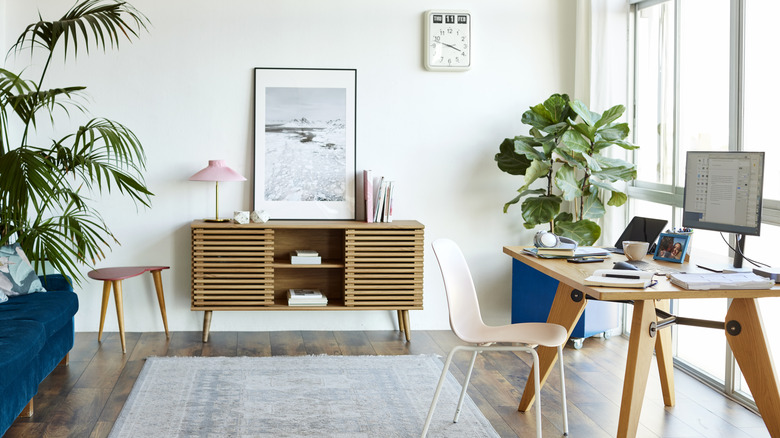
(643,229)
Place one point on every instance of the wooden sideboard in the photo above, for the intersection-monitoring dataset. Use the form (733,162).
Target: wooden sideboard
(365,266)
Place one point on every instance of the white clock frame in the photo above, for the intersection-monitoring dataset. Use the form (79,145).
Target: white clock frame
(431,31)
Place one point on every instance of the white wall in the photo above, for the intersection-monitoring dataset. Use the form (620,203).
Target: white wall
(185,88)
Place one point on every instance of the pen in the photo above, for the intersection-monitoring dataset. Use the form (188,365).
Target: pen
(632,277)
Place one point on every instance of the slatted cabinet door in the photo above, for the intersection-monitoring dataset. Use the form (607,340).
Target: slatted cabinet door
(232,269)
(384,268)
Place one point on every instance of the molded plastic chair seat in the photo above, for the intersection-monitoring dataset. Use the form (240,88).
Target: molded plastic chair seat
(466,322)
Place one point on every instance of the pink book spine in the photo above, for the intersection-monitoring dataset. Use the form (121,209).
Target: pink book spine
(368,194)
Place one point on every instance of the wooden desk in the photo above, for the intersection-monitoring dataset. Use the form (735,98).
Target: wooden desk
(743,328)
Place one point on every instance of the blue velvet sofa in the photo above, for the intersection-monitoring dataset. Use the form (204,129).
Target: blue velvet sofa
(36,334)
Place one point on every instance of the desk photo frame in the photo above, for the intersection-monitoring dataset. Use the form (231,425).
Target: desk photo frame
(672,247)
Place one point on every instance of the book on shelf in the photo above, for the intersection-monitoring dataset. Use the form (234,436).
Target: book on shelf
(306,253)
(619,278)
(558,253)
(306,297)
(717,280)
(304,259)
(368,194)
(382,200)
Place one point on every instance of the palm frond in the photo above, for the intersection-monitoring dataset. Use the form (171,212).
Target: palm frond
(103,21)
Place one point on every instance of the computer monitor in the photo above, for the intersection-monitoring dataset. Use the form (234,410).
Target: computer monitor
(723,192)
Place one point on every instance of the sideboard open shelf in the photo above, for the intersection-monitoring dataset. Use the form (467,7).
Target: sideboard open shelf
(365,266)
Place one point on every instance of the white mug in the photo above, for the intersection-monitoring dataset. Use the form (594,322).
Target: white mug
(634,249)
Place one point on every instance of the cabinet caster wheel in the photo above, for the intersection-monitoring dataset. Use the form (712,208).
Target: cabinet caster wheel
(578,343)
(607,335)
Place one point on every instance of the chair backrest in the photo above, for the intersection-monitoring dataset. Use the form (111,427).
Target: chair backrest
(465,317)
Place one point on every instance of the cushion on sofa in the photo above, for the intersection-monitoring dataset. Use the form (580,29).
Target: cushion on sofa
(20,344)
(52,309)
(17,276)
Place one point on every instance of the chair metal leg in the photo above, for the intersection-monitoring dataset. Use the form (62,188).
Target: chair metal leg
(563,394)
(438,390)
(465,386)
(537,393)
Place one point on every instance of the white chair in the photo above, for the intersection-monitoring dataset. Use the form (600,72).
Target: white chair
(466,322)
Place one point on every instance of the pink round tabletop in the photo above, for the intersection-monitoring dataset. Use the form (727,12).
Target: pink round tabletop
(120,273)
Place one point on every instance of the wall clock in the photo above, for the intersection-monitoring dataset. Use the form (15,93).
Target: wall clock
(447,40)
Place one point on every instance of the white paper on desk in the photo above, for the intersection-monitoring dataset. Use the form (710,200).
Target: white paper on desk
(619,278)
(717,280)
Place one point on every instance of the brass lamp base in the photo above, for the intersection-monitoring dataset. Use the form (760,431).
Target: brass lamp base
(217,220)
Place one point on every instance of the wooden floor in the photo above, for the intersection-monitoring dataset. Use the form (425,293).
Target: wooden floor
(84,398)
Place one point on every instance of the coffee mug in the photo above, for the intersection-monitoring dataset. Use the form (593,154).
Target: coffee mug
(634,249)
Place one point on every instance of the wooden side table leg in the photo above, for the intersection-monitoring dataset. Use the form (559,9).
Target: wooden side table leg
(120,312)
(407,328)
(746,337)
(640,353)
(157,275)
(206,325)
(663,356)
(400,320)
(103,307)
(567,307)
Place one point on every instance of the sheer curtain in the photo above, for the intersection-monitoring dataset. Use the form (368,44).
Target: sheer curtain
(601,75)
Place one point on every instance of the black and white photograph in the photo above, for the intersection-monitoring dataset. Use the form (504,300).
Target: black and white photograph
(304,143)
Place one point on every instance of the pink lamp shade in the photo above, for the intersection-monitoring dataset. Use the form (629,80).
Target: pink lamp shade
(217,170)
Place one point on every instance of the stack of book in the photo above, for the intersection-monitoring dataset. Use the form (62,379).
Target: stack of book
(306,297)
(305,257)
(378,197)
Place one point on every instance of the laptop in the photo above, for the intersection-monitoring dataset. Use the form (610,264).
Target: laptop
(642,229)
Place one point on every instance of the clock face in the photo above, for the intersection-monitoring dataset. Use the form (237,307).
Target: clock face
(448,40)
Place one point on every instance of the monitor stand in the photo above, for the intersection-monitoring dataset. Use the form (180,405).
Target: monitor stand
(730,268)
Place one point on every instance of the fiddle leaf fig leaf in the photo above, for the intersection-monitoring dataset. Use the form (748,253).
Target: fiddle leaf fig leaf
(575,142)
(536,170)
(614,169)
(524,147)
(614,133)
(588,132)
(584,232)
(566,181)
(509,161)
(540,210)
(558,107)
(593,208)
(590,118)
(617,199)
(564,216)
(610,115)
(523,193)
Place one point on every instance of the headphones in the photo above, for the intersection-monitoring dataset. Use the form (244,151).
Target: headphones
(546,239)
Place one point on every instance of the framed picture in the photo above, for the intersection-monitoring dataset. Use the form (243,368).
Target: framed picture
(672,247)
(305,143)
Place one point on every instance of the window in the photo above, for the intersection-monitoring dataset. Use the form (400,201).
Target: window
(703,80)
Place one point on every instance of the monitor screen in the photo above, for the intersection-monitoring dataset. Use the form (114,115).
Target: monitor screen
(723,191)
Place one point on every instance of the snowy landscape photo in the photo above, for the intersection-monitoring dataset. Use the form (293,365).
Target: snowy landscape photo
(305,144)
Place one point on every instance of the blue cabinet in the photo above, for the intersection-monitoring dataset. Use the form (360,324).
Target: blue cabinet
(532,297)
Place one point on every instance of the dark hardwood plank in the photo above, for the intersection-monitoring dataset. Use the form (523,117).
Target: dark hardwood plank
(85,397)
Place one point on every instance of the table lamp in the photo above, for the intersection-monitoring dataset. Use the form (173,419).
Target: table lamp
(217,171)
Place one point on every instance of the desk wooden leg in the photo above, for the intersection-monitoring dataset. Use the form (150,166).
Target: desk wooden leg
(746,337)
(567,307)
(103,307)
(640,353)
(206,325)
(120,312)
(663,356)
(161,299)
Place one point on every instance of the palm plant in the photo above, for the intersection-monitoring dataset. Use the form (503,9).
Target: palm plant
(45,184)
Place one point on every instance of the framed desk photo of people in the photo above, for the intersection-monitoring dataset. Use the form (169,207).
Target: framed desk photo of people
(672,247)
(305,143)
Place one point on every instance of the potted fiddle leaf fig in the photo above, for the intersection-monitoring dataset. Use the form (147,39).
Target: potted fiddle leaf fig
(45,184)
(565,148)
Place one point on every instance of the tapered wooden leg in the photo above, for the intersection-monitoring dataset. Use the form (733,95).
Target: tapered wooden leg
(206,325)
(28,410)
(65,360)
(119,311)
(400,320)
(567,307)
(746,337)
(407,328)
(161,299)
(663,356)
(103,307)
(640,353)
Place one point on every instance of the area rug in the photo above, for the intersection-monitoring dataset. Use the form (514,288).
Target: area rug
(295,396)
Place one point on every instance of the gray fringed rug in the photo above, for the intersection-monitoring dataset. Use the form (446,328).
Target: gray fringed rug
(295,396)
